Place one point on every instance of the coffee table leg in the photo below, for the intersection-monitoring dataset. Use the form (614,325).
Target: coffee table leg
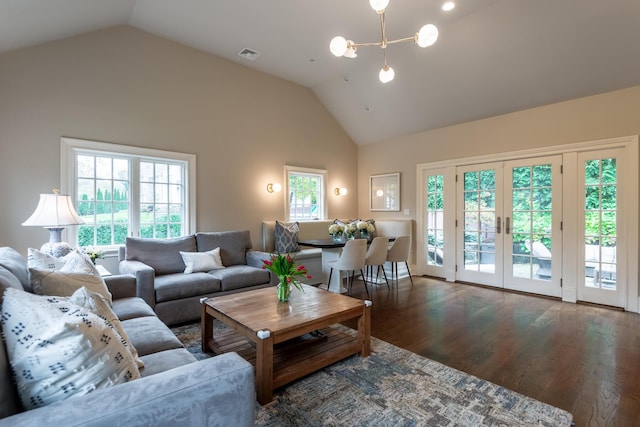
(206,329)
(364,329)
(264,367)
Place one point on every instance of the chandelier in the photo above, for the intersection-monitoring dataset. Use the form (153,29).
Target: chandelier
(340,46)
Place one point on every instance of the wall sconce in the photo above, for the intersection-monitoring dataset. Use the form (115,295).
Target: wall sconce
(340,191)
(274,188)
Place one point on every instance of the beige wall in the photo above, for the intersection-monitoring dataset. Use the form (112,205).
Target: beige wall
(596,117)
(125,86)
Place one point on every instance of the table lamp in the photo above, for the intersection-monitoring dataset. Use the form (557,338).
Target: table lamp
(54,212)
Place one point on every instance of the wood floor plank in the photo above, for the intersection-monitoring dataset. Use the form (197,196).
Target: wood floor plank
(581,358)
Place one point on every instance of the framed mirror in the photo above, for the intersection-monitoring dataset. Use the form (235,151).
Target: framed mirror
(384,192)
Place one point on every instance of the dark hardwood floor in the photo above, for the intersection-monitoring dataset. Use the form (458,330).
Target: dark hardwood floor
(580,358)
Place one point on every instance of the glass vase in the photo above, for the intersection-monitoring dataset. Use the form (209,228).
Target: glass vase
(284,290)
(338,238)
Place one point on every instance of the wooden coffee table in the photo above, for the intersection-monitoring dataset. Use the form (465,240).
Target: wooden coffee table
(282,341)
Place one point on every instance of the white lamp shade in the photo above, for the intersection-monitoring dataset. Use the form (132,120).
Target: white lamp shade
(386,74)
(427,35)
(338,45)
(54,210)
(379,5)
(351,50)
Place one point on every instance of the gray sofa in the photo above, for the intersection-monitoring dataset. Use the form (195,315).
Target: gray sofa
(175,388)
(174,295)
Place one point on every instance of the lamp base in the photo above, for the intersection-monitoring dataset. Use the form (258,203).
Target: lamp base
(55,247)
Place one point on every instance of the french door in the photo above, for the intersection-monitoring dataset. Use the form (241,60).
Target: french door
(602,226)
(509,218)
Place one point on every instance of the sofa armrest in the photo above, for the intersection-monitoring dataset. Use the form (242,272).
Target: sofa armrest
(145,279)
(216,391)
(255,258)
(121,285)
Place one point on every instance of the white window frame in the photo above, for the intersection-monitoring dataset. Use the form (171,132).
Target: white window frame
(69,147)
(321,174)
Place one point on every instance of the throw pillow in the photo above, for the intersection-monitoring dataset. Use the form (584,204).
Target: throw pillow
(58,350)
(77,262)
(97,304)
(286,237)
(201,261)
(42,261)
(45,282)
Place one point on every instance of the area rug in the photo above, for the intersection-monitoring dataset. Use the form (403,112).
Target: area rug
(392,387)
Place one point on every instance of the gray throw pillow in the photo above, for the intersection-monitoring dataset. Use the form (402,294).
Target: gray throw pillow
(286,237)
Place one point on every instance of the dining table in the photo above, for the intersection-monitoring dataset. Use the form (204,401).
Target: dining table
(331,250)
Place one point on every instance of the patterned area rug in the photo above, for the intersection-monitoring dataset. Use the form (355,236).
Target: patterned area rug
(393,387)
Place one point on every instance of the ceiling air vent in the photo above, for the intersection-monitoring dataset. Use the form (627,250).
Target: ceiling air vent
(249,54)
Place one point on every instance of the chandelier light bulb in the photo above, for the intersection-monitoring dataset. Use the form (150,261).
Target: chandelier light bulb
(386,74)
(379,5)
(338,46)
(427,35)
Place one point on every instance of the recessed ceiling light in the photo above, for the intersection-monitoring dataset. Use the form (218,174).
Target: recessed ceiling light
(447,6)
(249,54)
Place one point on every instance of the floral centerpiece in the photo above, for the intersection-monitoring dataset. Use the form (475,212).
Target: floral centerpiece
(336,231)
(285,267)
(93,253)
(350,230)
(366,229)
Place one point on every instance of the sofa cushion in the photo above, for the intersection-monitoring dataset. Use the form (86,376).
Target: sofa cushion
(286,237)
(48,282)
(163,255)
(128,308)
(177,286)
(240,276)
(16,264)
(149,335)
(165,360)
(233,245)
(8,280)
(201,261)
(59,350)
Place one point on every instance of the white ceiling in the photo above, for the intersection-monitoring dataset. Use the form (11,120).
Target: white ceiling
(492,56)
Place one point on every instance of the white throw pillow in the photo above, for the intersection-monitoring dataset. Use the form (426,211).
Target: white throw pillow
(77,262)
(42,261)
(97,304)
(201,261)
(46,282)
(58,350)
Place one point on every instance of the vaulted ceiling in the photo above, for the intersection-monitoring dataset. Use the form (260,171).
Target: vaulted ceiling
(492,56)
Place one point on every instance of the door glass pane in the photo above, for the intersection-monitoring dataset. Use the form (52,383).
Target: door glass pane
(531,214)
(480,221)
(600,224)
(435,220)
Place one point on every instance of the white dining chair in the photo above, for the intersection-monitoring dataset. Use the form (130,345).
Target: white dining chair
(399,252)
(376,257)
(351,259)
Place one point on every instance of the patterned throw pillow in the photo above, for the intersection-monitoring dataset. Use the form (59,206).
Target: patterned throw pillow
(58,350)
(77,262)
(97,304)
(42,261)
(202,261)
(286,237)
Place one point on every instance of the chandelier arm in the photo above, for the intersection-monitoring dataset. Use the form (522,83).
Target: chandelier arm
(383,44)
(406,39)
(365,44)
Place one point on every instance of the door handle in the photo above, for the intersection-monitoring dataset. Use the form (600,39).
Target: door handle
(499,226)
(507,222)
